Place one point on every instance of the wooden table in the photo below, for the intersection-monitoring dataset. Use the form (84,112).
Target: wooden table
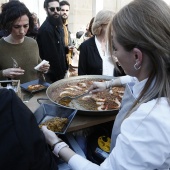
(79,122)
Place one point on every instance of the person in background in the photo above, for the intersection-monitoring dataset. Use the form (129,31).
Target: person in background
(33,33)
(19,53)
(81,35)
(88,34)
(94,58)
(139,36)
(65,9)
(51,42)
(36,20)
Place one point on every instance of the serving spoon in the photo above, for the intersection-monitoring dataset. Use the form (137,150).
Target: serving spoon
(67,99)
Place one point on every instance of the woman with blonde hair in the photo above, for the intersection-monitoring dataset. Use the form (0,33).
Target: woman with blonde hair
(139,36)
(94,58)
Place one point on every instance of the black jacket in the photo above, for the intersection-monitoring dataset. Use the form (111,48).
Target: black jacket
(50,40)
(22,144)
(90,62)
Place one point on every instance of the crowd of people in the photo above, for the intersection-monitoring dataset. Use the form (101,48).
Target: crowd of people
(135,40)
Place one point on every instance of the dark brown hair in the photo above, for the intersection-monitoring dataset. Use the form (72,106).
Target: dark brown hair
(12,11)
(46,2)
(62,3)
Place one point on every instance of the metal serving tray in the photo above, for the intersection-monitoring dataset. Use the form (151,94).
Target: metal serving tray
(48,111)
(24,86)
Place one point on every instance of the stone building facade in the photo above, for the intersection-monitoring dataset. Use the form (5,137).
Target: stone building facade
(81,12)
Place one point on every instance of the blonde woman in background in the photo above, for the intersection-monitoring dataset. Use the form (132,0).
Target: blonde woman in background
(94,58)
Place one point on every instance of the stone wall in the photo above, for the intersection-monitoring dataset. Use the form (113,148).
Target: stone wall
(81,12)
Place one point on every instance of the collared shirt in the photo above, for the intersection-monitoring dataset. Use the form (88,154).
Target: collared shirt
(144,140)
(135,86)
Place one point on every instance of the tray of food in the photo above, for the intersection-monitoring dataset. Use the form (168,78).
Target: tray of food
(56,118)
(34,86)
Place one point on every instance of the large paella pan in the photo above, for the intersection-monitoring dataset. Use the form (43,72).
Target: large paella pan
(101,103)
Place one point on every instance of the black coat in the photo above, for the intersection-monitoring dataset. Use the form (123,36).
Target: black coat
(22,144)
(50,40)
(90,61)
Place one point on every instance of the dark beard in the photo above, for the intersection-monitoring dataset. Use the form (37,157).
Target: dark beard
(55,21)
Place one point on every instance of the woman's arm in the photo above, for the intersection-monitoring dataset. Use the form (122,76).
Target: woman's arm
(100,86)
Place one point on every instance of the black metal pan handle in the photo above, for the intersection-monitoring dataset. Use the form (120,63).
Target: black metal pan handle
(40,99)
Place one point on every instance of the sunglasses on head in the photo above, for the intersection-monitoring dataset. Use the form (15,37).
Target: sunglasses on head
(52,9)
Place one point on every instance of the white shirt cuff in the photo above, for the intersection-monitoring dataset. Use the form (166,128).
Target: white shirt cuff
(77,162)
(126,79)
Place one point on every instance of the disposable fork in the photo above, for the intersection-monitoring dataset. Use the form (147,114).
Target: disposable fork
(15,63)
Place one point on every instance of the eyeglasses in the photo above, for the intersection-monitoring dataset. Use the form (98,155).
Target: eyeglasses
(52,9)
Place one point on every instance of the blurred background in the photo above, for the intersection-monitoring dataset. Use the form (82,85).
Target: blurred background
(81,12)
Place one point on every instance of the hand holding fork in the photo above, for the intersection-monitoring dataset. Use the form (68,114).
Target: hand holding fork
(13,72)
(15,63)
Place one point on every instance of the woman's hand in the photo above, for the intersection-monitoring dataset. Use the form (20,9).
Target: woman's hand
(50,136)
(13,72)
(44,68)
(101,86)
(65,153)
(97,87)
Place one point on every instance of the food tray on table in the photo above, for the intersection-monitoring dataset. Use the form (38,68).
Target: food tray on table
(48,112)
(34,86)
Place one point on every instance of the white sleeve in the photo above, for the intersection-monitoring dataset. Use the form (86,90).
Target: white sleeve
(142,144)
(77,162)
(126,79)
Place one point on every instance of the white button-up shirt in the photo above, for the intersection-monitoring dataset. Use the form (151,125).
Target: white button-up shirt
(108,65)
(144,141)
